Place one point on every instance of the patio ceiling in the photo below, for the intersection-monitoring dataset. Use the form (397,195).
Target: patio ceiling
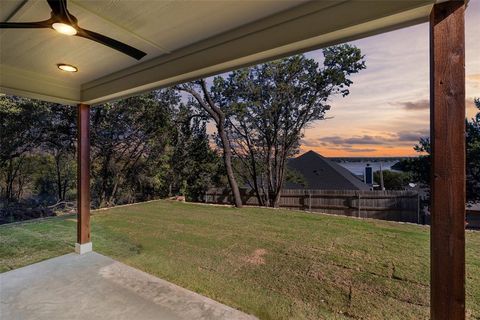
(183,40)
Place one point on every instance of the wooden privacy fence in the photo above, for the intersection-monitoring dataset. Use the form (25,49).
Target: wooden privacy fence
(394,205)
(473,219)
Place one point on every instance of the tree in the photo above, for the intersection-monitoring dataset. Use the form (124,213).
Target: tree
(393,180)
(194,165)
(268,106)
(473,156)
(21,130)
(59,141)
(126,134)
(420,167)
(142,147)
(199,92)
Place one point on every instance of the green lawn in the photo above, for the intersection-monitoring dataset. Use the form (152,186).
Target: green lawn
(275,264)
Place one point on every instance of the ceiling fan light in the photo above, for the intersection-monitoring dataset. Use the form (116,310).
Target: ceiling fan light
(64,28)
(67,67)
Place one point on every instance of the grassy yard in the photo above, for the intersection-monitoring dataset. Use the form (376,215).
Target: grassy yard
(275,264)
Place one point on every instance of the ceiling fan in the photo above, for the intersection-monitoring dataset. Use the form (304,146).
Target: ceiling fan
(63,21)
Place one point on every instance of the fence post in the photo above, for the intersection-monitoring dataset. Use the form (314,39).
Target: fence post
(305,208)
(418,208)
(309,200)
(359,212)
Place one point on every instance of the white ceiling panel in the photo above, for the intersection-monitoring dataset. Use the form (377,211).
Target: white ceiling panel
(183,39)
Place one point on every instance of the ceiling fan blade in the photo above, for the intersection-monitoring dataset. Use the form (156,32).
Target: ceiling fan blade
(109,42)
(25,25)
(58,6)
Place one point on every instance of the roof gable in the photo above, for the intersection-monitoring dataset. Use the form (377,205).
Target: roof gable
(322,173)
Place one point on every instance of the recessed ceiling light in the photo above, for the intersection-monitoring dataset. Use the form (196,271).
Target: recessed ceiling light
(67,67)
(64,28)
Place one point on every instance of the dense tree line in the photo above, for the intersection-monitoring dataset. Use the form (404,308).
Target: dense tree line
(156,144)
(420,166)
(143,147)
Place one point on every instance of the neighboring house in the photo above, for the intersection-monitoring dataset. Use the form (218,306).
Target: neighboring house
(321,173)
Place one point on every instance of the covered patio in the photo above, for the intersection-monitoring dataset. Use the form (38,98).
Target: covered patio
(71,287)
(188,40)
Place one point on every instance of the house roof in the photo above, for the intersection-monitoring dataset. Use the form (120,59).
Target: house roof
(184,40)
(324,174)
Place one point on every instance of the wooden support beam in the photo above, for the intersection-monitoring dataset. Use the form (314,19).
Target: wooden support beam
(447,99)
(83,175)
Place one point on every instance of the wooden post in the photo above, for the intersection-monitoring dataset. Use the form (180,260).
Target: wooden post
(418,208)
(447,109)
(310,200)
(359,208)
(84,244)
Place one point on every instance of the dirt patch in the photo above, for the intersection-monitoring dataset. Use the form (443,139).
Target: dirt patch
(257,257)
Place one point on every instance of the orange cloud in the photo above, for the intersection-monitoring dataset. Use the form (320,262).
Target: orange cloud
(374,143)
(475,77)
(471,109)
(363,151)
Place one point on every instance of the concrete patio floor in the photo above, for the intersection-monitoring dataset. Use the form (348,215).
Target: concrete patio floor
(92,286)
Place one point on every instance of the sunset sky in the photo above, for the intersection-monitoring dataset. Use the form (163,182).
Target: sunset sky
(388,108)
